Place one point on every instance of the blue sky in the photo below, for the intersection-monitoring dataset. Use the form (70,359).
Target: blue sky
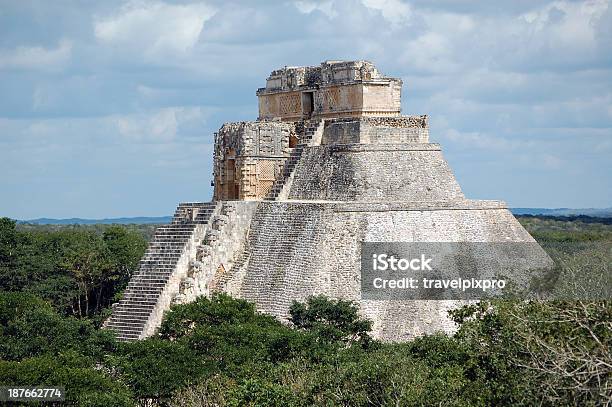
(108,108)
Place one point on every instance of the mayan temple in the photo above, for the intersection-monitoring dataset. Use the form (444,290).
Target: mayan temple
(329,163)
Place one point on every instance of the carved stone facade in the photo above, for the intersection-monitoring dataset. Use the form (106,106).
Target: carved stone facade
(334,89)
(249,157)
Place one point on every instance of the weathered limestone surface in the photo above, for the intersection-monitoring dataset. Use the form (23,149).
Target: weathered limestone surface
(157,281)
(300,249)
(383,172)
(376,130)
(218,251)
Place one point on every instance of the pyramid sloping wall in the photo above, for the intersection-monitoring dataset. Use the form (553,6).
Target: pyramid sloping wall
(374,172)
(302,249)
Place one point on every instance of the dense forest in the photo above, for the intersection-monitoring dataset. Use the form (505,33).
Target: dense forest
(57,284)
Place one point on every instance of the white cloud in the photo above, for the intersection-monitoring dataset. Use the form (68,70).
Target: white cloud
(325,7)
(485,141)
(154,28)
(551,162)
(37,58)
(563,24)
(162,125)
(431,52)
(394,11)
(521,79)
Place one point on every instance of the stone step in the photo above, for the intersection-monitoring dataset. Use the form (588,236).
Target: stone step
(149,280)
(174,258)
(143,282)
(132,333)
(153,271)
(169,239)
(122,324)
(137,305)
(141,297)
(161,279)
(131,338)
(151,276)
(162,256)
(138,296)
(128,332)
(132,319)
(157,263)
(162,276)
(144,308)
(144,289)
(148,269)
(163,250)
(156,268)
(172,233)
(128,338)
(142,313)
(142,304)
(145,285)
(138,302)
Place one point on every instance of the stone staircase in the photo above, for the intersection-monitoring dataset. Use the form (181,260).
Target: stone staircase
(160,261)
(311,127)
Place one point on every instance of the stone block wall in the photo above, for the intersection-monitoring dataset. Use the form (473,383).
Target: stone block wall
(376,172)
(182,269)
(382,99)
(357,99)
(248,157)
(298,249)
(222,244)
(377,130)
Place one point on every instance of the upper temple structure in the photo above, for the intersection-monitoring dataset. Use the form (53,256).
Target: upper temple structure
(329,164)
(334,89)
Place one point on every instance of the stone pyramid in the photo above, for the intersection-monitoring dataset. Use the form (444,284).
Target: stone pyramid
(330,163)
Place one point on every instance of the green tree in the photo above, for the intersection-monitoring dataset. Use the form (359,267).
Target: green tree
(85,384)
(540,353)
(155,368)
(231,333)
(30,327)
(331,320)
(80,269)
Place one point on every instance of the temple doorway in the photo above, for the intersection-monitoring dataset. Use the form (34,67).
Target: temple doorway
(307,103)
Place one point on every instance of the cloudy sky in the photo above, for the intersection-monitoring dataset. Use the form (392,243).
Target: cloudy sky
(108,108)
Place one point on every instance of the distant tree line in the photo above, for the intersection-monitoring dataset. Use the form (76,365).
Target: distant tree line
(572,218)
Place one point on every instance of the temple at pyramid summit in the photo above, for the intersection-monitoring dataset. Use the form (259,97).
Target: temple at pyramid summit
(329,163)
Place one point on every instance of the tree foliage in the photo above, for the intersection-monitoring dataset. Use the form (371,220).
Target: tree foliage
(331,320)
(79,270)
(220,351)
